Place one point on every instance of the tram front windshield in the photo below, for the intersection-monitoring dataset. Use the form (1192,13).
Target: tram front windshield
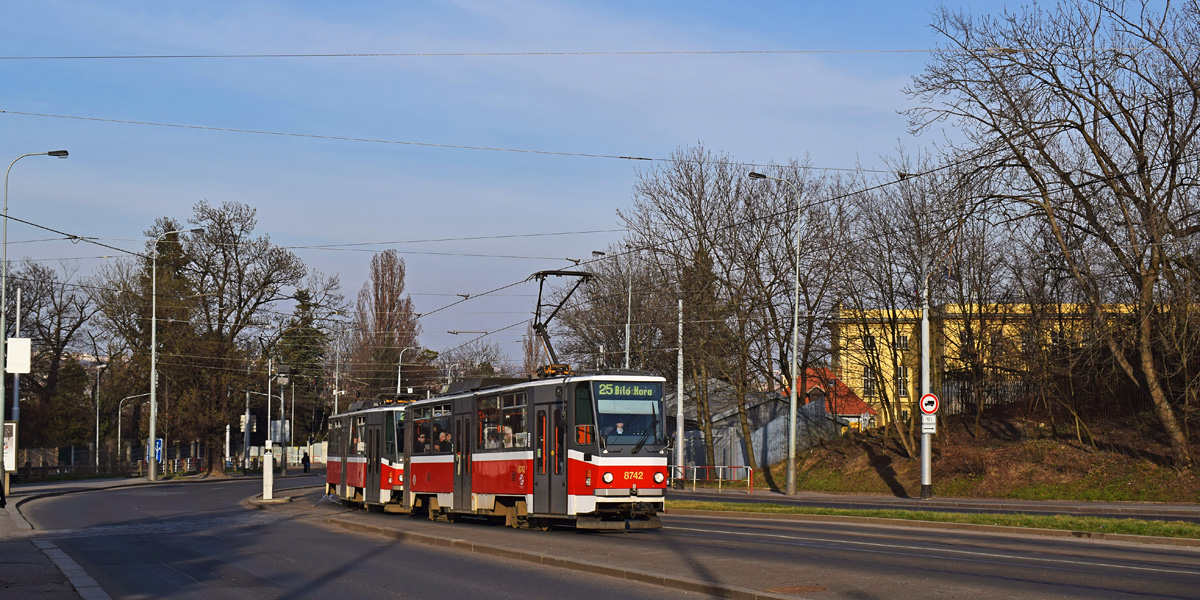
(630,413)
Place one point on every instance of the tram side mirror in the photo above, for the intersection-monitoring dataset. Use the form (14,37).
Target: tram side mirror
(585,434)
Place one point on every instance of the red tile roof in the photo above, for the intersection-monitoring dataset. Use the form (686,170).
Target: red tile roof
(841,400)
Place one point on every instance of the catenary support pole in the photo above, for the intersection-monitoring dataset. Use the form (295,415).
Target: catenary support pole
(679,439)
(926,459)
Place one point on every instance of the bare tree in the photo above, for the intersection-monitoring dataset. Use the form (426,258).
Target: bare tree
(384,325)
(55,310)
(1088,114)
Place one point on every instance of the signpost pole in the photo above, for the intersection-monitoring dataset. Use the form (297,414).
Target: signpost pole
(926,431)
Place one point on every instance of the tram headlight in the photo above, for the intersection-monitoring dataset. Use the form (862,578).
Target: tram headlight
(607,477)
(659,477)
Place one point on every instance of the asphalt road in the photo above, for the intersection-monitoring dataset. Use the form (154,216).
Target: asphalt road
(195,540)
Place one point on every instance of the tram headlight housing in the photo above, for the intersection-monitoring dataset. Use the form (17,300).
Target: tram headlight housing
(659,477)
(607,477)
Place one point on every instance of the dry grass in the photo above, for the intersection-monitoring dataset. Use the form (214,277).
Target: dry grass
(1010,457)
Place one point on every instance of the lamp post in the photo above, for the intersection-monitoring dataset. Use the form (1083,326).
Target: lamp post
(153,461)
(795,380)
(120,406)
(96,401)
(4,300)
(400,368)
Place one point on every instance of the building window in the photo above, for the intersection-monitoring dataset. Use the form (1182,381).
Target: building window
(870,382)
(901,382)
(868,342)
(1058,338)
(902,342)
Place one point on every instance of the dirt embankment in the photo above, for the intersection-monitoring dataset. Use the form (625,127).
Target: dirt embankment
(1007,457)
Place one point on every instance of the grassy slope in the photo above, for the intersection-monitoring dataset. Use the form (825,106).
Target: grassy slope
(1009,457)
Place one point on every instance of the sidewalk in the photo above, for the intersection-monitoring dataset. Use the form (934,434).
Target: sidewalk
(34,568)
(26,571)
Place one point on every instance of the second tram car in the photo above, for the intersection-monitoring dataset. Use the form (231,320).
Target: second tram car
(585,449)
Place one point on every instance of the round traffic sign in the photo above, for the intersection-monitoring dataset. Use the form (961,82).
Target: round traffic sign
(929,404)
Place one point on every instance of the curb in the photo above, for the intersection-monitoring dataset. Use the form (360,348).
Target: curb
(1082,508)
(678,583)
(1093,535)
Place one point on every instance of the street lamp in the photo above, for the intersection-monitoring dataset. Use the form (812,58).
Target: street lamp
(4,299)
(791,458)
(96,401)
(399,369)
(120,406)
(154,347)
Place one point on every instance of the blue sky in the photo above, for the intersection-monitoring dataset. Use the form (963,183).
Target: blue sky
(839,109)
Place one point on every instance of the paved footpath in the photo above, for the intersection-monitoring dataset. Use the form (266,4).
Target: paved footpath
(36,568)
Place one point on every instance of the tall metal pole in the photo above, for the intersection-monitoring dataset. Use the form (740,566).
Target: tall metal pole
(96,401)
(152,459)
(679,394)
(292,424)
(792,374)
(120,407)
(926,458)
(16,395)
(283,458)
(4,304)
(399,371)
(246,437)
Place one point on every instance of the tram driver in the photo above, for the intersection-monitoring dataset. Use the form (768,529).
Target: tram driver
(618,429)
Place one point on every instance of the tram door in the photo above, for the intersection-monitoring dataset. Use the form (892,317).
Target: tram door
(374,455)
(550,459)
(344,446)
(462,462)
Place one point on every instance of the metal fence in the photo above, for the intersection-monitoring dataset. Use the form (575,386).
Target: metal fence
(733,476)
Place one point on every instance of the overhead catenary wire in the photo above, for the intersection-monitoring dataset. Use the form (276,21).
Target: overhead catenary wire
(789,210)
(551,53)
(376,140)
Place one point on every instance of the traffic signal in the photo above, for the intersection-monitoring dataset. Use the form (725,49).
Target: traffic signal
(242,424)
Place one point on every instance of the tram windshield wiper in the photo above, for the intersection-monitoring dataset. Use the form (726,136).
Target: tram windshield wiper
(642,440)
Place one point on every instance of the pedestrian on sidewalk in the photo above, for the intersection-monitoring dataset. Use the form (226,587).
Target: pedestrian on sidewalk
(305,461)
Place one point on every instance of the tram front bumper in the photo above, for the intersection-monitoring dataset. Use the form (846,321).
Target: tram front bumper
(594,522)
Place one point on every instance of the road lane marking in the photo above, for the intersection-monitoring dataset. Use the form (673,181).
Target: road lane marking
(892,547)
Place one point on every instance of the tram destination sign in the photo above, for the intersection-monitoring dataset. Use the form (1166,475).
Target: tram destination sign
(625,389)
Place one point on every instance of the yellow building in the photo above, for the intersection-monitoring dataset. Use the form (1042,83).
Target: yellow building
(878,353)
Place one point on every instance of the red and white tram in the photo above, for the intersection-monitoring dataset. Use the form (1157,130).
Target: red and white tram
(585,449)
(365,462)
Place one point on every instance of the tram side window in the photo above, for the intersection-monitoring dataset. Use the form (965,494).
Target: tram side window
(421,443)
(560,423)
(585,420)
(488,437)
(440,437)
(512,419)
(389,433)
